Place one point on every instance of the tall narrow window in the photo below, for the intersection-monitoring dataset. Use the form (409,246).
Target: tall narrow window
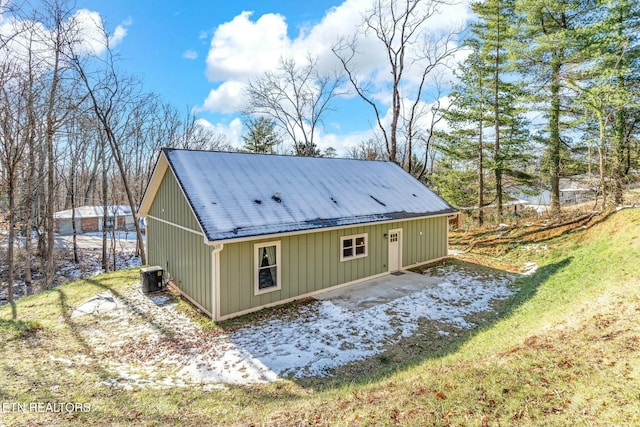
(267,267)
(353,247)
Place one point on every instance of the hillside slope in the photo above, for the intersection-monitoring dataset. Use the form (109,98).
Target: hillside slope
(565,352)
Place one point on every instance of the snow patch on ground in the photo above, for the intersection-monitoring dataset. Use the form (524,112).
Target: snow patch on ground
(529,268)
(118,235)
(150,343)
(90,264)
(100,303)
(326,336)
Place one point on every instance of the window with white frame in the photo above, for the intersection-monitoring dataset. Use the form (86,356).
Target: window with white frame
(267,267)
(352,247)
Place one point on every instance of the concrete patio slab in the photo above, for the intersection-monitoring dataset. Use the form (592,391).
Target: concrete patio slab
(380,290)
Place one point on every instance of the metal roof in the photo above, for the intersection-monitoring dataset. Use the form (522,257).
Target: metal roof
(94,211)
(235,195)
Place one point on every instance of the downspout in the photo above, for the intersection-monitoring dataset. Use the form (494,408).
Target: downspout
(217,248)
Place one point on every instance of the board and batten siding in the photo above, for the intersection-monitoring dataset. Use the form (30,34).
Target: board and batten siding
(181,253)
(311,262)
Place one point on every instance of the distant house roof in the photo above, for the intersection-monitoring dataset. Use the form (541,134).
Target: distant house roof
(508,201)
(94,211)
(236,195)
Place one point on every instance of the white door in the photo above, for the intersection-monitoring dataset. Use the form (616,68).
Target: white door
(395,250)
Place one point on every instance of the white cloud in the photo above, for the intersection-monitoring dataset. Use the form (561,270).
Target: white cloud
(85,26)
(342,143)
(118,35)
(247,46)
(190,54)
(242,48)
(227,98)
(343,20)
(91,32)
(232,130)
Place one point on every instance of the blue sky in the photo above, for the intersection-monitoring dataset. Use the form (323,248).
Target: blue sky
(159,33)
(199,54)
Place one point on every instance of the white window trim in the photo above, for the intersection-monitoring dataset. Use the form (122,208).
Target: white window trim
(256,269)
(354,256)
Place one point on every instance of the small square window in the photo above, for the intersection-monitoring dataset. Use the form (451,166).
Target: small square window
(353,247)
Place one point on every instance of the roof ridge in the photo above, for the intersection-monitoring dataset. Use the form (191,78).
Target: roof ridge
(240,153)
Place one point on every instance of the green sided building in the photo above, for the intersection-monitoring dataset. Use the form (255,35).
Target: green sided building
(239,232)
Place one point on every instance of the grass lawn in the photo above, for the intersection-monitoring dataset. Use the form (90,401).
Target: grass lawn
(564,351)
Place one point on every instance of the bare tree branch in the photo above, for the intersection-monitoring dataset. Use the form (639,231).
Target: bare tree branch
(297,98)
(402,29)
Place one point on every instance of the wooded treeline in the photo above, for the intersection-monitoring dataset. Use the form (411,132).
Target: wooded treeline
(543,89)
(74,128)
(550,89)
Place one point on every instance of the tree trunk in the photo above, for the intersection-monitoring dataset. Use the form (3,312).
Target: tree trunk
(554,134)
(125,182)
(105,261)
(620,143)
(73,210)
(480,174)
(10,255)
(50,133)
(496,118)
(103,117)
(602,162)
(29,206)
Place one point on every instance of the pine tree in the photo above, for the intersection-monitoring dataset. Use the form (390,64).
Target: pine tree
(617,64)
(547,51)
(609,88)
(262,137)
(308,150)
(493,34)
(464,145)
(487,114)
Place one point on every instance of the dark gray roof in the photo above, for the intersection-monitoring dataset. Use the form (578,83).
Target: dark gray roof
(239,195)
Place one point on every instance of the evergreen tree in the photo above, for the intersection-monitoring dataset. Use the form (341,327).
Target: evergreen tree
(609,90)
(488,111)
(617,65)
(548,52)
(262,137)
(464,145)
(490,33)
(330,152)
(308,150)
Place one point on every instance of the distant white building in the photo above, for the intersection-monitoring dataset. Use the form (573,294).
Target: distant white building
(573,190)
(90,219)
(578,189)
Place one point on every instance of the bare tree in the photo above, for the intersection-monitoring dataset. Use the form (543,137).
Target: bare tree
(424,135)
(412,54)
(113,97)
(12,119)
(32,85)
(60,37)
(110,93)
(297,97)
(77,143)
(152,125)
(369,150)
(195,135)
